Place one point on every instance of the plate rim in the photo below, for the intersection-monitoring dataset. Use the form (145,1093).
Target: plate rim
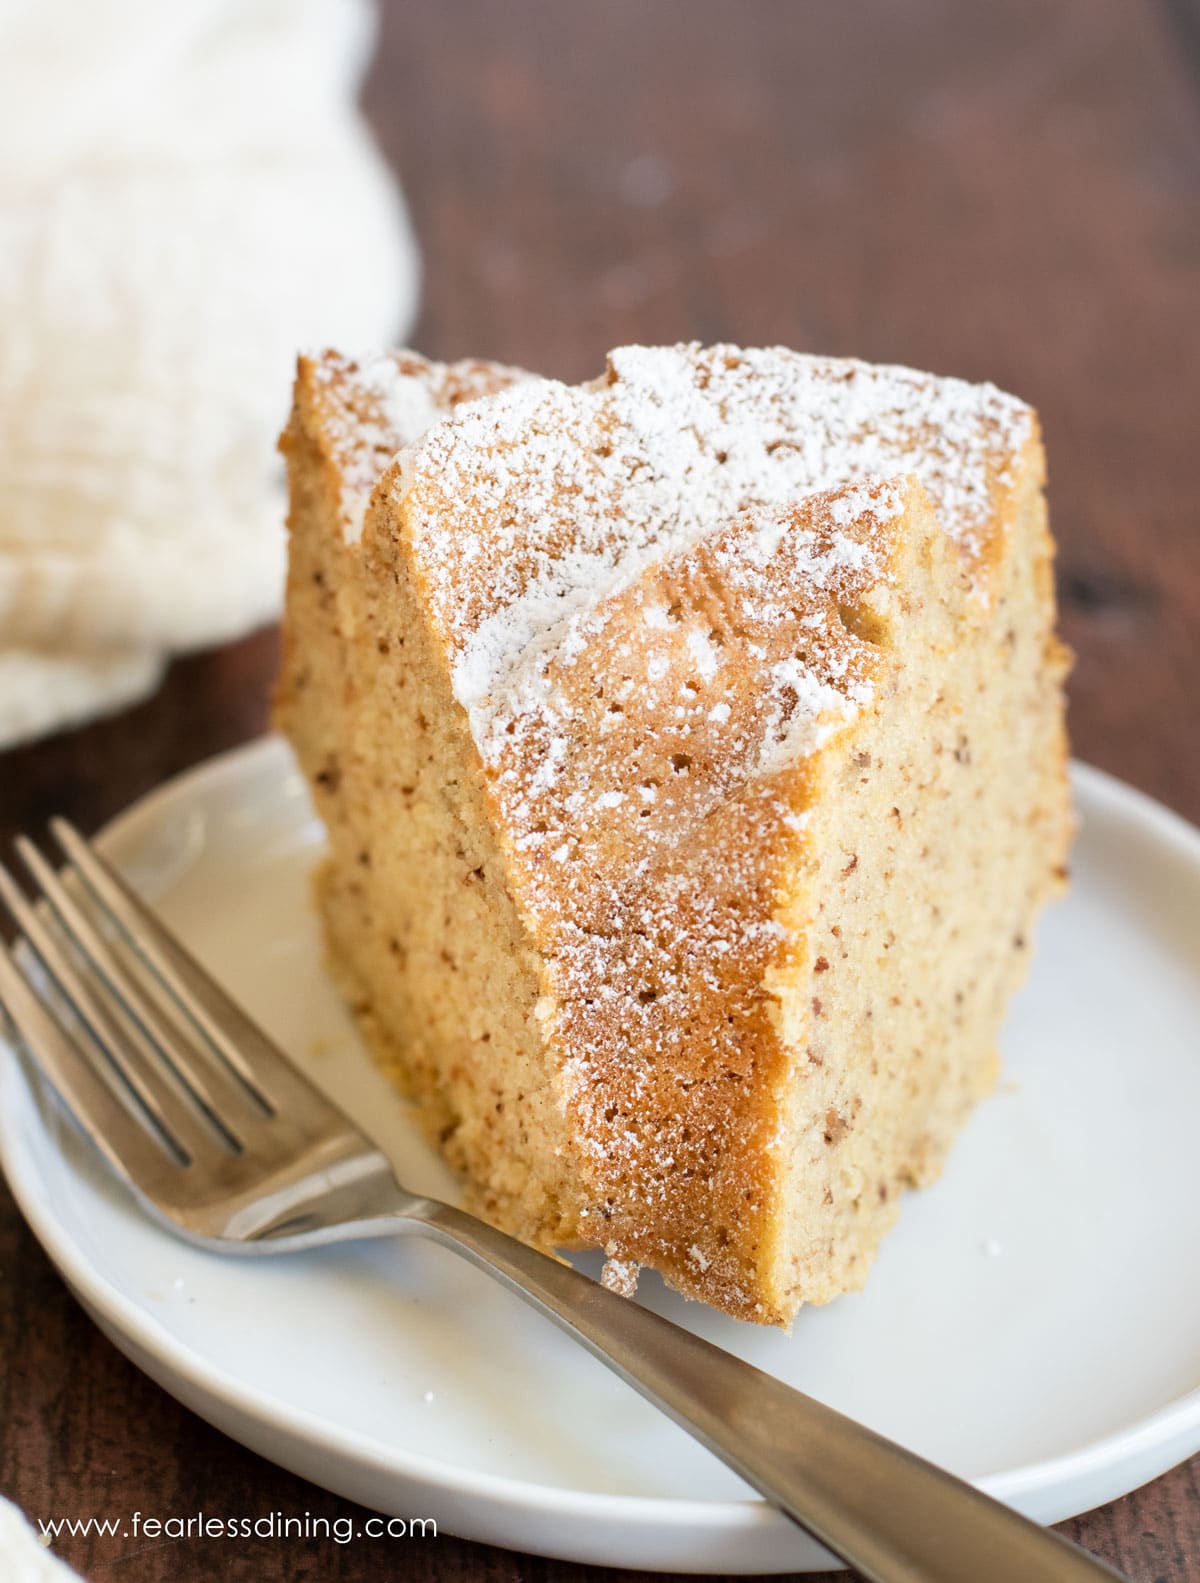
(92,1288)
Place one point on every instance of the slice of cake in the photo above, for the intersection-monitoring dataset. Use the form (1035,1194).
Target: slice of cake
(691,744)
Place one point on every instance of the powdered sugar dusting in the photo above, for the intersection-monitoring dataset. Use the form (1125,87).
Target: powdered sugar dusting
(620,1276)
(574,492)
(375,406)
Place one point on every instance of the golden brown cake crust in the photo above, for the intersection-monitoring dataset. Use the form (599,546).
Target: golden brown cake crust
(656,902)
(360,412)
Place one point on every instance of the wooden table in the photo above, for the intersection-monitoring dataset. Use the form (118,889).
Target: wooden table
(1005,191)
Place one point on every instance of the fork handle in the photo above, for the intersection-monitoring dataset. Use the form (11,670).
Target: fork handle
(889,1514)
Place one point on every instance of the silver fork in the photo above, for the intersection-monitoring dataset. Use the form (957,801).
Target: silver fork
(223,1140)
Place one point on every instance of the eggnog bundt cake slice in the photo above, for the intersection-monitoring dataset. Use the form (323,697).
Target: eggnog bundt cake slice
(701,769)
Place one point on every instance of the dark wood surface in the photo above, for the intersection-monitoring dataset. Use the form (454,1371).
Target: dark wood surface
(1006,191)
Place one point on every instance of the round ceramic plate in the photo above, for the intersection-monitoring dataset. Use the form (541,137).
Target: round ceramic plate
(1031,1323)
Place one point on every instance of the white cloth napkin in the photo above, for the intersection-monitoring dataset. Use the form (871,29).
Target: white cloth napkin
(187,197)
(23,1557)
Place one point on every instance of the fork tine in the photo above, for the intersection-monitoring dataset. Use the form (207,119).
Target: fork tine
(239,1040)
(136,1150)
(213,1089)
(117,1036)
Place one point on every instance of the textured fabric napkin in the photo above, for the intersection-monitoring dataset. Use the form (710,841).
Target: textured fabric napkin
(23,1557)
(188,196)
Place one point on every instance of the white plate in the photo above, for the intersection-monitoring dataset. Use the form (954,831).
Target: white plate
(1031,1324)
